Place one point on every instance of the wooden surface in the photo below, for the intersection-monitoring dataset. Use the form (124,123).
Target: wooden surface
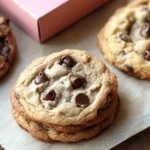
(140,141)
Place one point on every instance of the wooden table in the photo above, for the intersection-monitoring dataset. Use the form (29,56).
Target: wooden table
(140,141)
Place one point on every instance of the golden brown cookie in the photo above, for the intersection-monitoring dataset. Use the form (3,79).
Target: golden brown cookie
(103,113)
(65,88)
(45,133)
(70,96)
(125,39)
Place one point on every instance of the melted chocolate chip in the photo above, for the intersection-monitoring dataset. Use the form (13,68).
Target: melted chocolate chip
(6,39)
(3,67)
(68,60)
(78,81)
(124,37)
(5,51)
(147,20)
(122,53)
(50,96)
(3,39)
(17,95)
(82,100)
(147,55)
(7,21)
(147,11)
(145,30)
(129,69)
(40,78)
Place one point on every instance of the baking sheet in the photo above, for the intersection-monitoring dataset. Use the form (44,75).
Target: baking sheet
(134,113)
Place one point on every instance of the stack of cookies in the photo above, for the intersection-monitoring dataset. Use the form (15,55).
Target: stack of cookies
(67,96)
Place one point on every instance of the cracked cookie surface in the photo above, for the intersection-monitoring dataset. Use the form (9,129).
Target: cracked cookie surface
(7,46)
(125,39)
(65,88)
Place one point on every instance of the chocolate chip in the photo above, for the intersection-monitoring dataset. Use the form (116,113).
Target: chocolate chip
(124,37)
(5,51)
(122,53)
(3,67)
(3,39)
(145,30)
(146,10)
(68,60)
(40,78)
(6,39)
(78,81)
(108,101)
(50,96)
(147,55)
(82,100)
(7,21)
(17,95)
(147,20)
(129,69)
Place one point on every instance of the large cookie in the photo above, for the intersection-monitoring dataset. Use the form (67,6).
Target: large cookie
(103,114)
(65,88)
(125,39)
(7,46)
(45,133)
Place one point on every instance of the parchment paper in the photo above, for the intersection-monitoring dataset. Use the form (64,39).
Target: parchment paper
(134,114)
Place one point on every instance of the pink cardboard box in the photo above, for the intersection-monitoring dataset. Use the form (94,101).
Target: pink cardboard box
(42,19)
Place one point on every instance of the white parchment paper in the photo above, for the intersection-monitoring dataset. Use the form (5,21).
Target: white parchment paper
(134,114)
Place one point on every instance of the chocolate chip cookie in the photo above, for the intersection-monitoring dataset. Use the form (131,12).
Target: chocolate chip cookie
(125,39)
(46,133)
(7,46)
(68,93)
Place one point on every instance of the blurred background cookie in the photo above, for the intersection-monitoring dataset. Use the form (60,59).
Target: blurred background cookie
(7,46)
(125,39)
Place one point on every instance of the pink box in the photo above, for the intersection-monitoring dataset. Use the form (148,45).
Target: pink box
(42,19)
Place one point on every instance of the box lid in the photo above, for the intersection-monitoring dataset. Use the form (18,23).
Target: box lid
(38,8)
